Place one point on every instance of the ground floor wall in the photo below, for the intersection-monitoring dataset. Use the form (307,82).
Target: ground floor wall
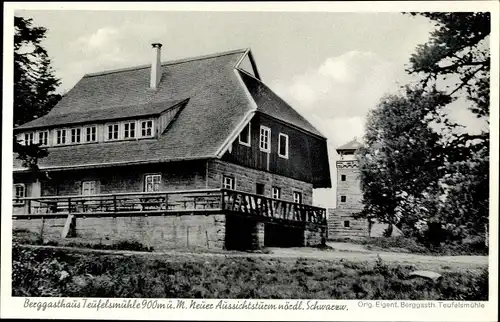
(246,180)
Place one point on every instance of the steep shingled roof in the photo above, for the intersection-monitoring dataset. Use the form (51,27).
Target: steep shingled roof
(215,104)
(271,104)
(101,113)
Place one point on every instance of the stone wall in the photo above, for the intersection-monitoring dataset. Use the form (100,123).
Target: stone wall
(338,219)
(246,180)
(314,236)
(174,176)
(196,231)
(351,187)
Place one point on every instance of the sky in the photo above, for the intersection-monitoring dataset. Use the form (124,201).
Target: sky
(331,67)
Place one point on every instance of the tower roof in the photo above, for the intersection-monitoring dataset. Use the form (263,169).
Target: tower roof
(350,146)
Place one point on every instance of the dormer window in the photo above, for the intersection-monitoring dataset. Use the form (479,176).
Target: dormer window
(61,137)
(29,138)
(129,130)
(90,134)
(76,135)
(113,131)
(146,128)
(43,138)
(244,138)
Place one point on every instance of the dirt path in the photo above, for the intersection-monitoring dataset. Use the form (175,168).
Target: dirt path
(347,252)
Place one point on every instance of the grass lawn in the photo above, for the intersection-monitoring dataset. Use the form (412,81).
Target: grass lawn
(408,245)
(56,272)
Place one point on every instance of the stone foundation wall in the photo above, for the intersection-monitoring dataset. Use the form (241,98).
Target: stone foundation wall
(159,232)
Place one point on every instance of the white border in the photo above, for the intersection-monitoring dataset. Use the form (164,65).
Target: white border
(12,307)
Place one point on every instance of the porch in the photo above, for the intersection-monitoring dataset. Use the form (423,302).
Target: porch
(174,203)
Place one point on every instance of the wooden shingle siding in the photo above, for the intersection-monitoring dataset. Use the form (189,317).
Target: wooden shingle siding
(304,151)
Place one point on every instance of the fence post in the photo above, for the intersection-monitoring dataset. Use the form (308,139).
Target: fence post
(114,203)
(29,207)
(69,205)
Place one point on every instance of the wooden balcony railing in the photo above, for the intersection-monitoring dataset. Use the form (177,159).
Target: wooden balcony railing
(257,205)
(168,202)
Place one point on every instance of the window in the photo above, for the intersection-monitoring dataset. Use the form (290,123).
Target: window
(129,130)
(265,139)
(152,182)
(113,132)
(342,177)
(276,193)
(283,145)
(259,189)
(60,137)
(90,134)
(228,182)
(89,188)
(147,128)
(20,139)
(343,198)
(43,138)
(19,192)
(347,224)
(75,135)
(29,138)
(245,136)
(297,197)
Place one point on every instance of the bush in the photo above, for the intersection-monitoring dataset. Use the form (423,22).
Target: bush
(52,272)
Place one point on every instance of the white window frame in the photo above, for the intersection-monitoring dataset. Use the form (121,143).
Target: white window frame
(65,131)
(92,185)
(23,186)
(125,129)
(285,156)
(31,138)
(276,193)
(152,128)
(106,135)
(297,197)
(76,129)
(87,128)
(249,137)
(45,134)
(265,139)
(152,176)
(228,182)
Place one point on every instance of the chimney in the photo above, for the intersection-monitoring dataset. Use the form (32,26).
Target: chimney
(155,66)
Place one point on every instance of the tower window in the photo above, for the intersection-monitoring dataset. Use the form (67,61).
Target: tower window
(342,177)
(343,198)
(347,224)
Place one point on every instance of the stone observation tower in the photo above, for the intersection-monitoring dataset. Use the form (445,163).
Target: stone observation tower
(348,196)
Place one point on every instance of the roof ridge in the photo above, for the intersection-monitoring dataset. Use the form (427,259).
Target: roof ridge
(169,62)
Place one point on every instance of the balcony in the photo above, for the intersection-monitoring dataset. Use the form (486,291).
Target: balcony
(186,202)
